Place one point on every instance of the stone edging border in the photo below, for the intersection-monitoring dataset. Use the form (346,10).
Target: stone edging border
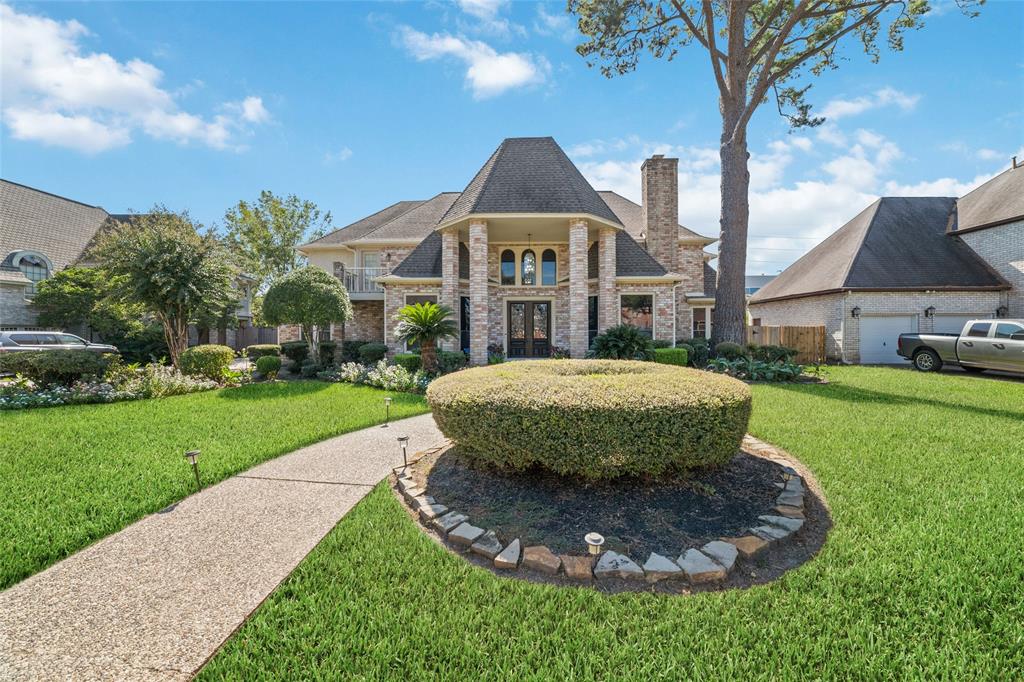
(710,563)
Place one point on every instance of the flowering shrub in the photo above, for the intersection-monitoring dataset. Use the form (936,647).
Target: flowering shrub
(123,382)
(382,375)
(750,369)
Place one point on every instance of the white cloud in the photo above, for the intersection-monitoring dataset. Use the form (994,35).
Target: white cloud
(843,108)
(56,93)
(488,72)
(486,12)
(558,24)
(788,215)
(75,132)
(988,154)
(341,154)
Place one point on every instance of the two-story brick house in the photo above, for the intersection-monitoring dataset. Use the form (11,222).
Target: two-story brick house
(907,264)
(529,256)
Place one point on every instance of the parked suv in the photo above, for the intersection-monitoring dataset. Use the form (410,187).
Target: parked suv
(25,341)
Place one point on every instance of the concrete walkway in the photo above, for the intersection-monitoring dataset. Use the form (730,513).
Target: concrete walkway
(157,599)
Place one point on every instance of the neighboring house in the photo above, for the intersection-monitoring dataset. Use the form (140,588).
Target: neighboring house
(755,283)
(41,234)
(529,256)
(904,265)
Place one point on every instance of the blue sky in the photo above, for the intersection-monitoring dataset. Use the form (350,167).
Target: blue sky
(358,105)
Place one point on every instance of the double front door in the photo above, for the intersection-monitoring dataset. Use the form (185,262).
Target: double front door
(529,329)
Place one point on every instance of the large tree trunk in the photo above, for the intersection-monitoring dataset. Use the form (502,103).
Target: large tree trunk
(310,333)
(730,299)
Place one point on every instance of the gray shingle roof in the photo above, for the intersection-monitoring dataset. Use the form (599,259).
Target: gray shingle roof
(424,260)
(416,223)
(364,225)
(630,215)
(33,220)
(1000,200)
(710,280)
(631,260)
(529,175)
(896,243)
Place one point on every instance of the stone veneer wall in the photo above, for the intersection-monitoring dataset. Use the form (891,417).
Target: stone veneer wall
(1003,247)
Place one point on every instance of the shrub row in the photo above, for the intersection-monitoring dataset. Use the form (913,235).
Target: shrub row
(62,367)
(671,356)
(591,418)
(259,350)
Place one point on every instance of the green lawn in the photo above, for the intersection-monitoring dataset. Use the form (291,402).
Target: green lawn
(921,577)
(71,475)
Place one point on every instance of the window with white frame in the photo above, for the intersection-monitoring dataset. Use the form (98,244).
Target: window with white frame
(35,268)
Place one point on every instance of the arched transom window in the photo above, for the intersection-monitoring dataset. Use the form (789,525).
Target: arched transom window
(35,268)
(528,264)
(520,267)
(548,268)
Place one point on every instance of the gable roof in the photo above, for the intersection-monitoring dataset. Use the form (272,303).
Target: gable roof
(365,225)
(529,175)
(630,215)
(895,243)
(998,201)
(57,227)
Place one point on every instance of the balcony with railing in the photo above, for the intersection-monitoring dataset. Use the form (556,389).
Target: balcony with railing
(359,282)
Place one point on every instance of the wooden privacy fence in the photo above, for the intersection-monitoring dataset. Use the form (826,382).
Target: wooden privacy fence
(809,341)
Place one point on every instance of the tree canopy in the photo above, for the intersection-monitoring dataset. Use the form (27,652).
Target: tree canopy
(263,234)
(160,261)
(756,49)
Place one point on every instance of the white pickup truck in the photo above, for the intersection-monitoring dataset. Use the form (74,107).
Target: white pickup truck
(981,345)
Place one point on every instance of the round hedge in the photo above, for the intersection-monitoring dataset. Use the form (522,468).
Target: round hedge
(592,418)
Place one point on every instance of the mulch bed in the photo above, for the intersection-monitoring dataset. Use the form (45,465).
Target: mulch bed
(635,515)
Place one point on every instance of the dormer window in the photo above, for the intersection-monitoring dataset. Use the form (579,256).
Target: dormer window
(35,267)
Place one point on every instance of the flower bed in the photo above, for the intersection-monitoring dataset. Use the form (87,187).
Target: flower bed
(126,383)
(382,375)
(592,418)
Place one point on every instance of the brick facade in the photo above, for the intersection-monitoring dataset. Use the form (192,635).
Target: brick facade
(14,309)
(367,323)
(834,311)
(659,185)
(578,246)
(479,300)
(450,277)
(607,299)
(1003,247)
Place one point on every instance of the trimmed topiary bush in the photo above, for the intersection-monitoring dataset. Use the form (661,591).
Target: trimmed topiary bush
(591,418)
(671,356)
(372,353)
(410,361)
(63,367)
(661,343)
(622,342)
(209,360)
(269,365)
(350,350)
(257,351)
(451,361)
(729,350)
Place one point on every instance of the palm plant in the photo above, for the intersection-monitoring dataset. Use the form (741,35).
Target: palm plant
(425,324)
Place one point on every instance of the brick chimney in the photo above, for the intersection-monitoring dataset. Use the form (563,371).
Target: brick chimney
(659,213)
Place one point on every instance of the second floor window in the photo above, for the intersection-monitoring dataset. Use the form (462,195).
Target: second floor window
(508,267)
(548,268)
(529,268)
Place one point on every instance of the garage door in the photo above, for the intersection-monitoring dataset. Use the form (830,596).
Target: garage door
(878,336)
(952,324)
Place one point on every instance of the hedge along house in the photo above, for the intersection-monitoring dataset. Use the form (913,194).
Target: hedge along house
(529,256)
(904,264)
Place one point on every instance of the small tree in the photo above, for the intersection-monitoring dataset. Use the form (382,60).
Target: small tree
(263,234)
(425,324)
(310,298)
(161,262)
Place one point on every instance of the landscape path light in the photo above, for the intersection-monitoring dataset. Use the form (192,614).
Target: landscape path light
(594,542)
(387,411)
(193,457)
(404,442)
